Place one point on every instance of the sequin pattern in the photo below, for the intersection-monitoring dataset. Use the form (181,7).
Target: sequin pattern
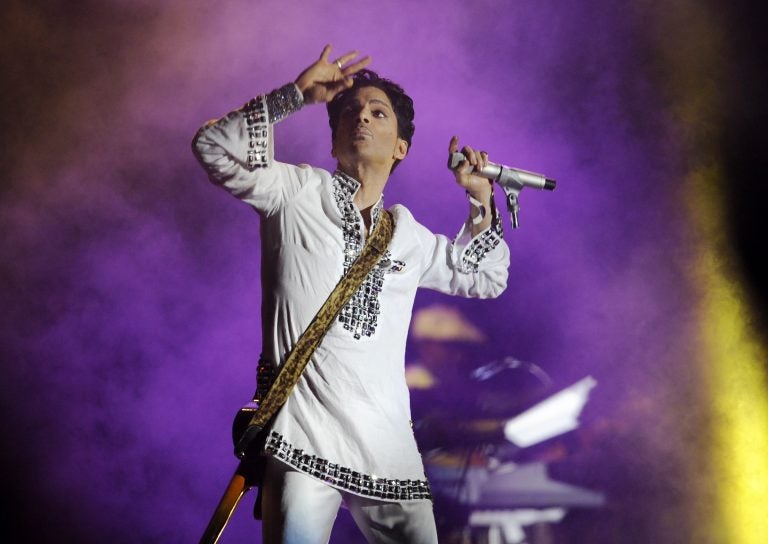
(260,112)
(360,315)
(283,101)
(346,478)
(258,133)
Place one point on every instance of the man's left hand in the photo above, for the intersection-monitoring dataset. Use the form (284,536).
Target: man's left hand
(477,186)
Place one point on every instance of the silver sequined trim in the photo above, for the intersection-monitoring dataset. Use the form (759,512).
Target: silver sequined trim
(480,245)
(258,133)
(346,478)
(284,101)
(361,314)
(262,111)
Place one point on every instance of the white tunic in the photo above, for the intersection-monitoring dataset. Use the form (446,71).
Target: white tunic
(348,420)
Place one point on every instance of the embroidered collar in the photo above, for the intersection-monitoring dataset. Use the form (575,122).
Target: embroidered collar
(360,315)
(346,187)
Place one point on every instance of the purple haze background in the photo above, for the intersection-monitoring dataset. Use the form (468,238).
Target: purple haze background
(131,299)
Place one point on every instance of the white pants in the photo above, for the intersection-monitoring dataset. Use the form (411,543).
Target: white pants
(299,509)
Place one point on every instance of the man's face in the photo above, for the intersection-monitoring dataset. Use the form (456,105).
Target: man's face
(367,131)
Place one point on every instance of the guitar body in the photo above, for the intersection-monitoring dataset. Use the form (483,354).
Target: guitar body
(248,439)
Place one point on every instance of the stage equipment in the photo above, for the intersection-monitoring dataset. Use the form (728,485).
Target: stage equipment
(552,417)
(489,370)
(515,496)
(489,480)
(512,181)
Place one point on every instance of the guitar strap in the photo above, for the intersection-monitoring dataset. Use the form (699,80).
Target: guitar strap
(263,410)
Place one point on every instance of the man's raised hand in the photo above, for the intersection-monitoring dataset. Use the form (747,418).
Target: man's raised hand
(325,79)
(479,187)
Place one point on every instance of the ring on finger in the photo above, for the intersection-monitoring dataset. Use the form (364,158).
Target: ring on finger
(338,63)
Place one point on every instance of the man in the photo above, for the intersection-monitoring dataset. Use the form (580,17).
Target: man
(345,432)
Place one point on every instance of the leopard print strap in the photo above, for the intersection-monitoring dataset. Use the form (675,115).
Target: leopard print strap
(297,360)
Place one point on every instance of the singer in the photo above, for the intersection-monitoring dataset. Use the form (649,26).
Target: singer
(345,432)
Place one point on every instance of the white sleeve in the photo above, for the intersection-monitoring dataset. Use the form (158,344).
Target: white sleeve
(237,151)
(468,266)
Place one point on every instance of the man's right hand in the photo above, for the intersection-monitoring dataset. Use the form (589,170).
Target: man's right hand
(324,80)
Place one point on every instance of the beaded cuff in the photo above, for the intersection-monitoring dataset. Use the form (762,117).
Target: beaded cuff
(284,101)
(262,111)
(481,244)
(346,478)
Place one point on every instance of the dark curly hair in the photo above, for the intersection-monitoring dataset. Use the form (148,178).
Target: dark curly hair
(402,104)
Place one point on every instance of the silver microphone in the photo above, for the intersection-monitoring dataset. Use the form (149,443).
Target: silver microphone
(506,176)
(512,180)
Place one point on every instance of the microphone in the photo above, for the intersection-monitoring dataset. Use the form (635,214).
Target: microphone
(506,176)
(512,180)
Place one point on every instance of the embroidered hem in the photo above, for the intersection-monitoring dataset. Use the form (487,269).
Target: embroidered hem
(346,478)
